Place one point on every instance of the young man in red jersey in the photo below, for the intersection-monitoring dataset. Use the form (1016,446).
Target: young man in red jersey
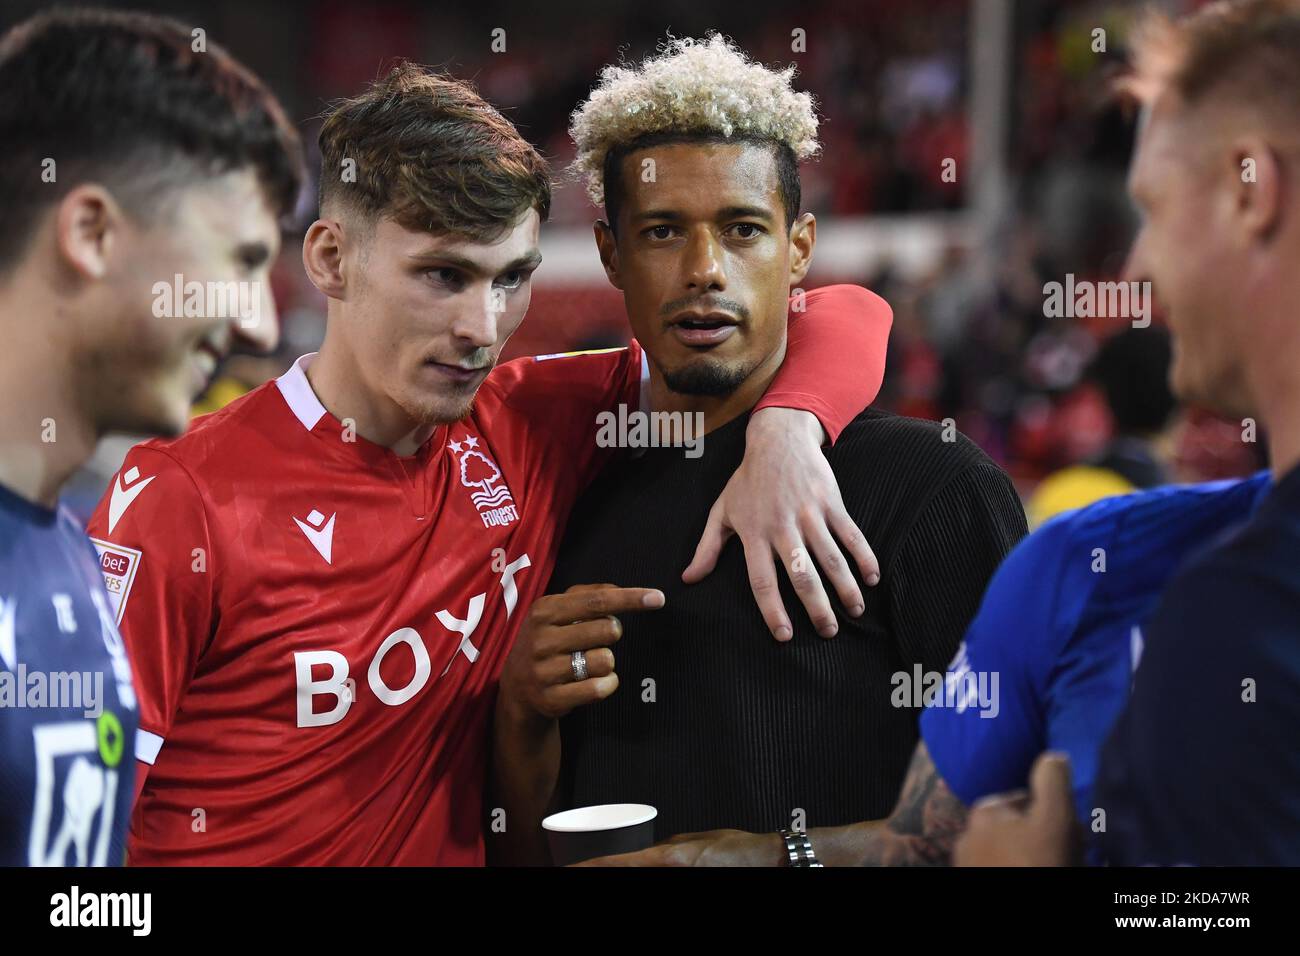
(327,574)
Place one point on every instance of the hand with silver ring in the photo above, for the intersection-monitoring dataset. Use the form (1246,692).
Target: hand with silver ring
(562,656)
(579,664)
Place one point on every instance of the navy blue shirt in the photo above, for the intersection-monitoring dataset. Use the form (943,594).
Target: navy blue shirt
(67,708)
(1060,630)
(1203,766)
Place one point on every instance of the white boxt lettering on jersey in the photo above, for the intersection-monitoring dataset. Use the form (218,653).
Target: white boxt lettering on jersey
(508,590)
(406,635)
(309,689)
(338,686)
(464,628)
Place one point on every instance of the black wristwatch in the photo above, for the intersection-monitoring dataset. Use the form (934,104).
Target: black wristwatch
(799,849)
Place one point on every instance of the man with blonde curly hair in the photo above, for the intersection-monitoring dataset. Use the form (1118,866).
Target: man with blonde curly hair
(694,155)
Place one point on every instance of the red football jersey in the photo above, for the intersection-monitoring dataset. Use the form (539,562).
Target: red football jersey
(317,625)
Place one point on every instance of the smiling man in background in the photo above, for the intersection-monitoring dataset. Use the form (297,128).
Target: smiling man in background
(128,159)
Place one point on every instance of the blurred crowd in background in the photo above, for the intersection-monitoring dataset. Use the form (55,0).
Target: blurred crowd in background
(893,83)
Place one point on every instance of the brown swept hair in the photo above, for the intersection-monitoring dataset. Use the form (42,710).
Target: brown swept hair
(124,99)
(430,154)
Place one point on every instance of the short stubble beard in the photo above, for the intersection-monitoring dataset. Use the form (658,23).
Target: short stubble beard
(708,378)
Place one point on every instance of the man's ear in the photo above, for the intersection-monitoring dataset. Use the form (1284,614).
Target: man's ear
(88,227)
(1257,192)
(803,238)
(322,257)
(608,249)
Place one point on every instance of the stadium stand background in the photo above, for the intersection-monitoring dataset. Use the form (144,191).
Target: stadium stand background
(962,265)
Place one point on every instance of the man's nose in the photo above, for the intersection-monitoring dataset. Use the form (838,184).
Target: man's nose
(476,320)
(703,263)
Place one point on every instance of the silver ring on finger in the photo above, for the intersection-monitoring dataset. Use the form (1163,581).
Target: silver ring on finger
(579,664)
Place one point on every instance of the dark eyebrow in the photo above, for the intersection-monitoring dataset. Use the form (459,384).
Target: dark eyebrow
(729,212)
(745,212)
(529,260)
(667,214)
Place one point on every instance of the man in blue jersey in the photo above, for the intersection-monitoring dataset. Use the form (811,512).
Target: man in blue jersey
(1202,768)
(1061,625)
(130,159)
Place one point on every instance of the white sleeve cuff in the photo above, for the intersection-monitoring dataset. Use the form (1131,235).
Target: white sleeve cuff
(147,746)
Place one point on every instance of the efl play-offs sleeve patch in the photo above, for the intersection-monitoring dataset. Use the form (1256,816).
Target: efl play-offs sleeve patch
(119,565)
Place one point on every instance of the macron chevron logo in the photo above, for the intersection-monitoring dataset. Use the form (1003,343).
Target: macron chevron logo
(123,496)
(319,532)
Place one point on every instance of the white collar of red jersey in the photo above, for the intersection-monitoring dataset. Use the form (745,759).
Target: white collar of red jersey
(298,394)
(307,408)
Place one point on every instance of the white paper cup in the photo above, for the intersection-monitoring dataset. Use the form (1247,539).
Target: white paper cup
(587,832)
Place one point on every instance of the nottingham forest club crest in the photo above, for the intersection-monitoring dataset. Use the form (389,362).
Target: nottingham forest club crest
(488,490)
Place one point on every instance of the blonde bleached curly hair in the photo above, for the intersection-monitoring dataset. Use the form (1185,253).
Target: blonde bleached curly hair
(690,86)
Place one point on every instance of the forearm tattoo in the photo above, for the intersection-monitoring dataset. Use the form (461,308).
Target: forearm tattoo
(924,824)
